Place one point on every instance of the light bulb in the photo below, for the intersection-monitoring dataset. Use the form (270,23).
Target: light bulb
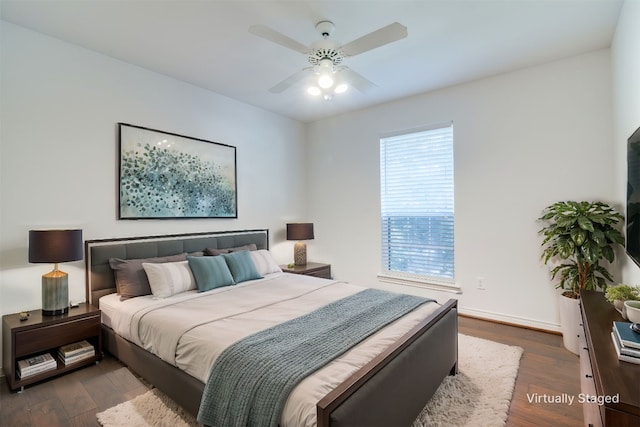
(325,81)
(312,90)
(342,87)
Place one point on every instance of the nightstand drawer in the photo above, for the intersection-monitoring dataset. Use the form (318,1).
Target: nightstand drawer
(314,269)
(34,340)
(324,273)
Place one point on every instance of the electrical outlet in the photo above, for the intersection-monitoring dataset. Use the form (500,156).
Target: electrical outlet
(480,281)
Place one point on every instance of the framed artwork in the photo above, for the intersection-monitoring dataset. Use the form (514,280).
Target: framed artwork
(165,175)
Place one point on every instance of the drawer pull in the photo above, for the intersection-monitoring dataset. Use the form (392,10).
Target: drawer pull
(585,348)
(588,376)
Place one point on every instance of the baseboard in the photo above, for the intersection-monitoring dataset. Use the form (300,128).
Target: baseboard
(510,320)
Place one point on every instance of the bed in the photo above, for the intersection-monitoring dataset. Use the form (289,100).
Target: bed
(387,389)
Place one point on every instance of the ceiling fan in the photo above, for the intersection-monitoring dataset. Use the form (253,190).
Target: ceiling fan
(326,55)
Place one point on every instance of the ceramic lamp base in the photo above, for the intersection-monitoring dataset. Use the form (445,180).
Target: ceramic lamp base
(300,253)
(55,293)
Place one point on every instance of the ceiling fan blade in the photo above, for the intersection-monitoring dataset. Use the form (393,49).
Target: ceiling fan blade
(278,38)
(356,80)
(384,35)
(290,81)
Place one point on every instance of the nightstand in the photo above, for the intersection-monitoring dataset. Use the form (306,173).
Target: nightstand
(315,269)
(46,334)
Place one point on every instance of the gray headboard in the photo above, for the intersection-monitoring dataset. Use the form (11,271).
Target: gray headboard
(100,280)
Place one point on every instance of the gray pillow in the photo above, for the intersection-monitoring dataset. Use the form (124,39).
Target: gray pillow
(216,252)
(131,279)
(210,272)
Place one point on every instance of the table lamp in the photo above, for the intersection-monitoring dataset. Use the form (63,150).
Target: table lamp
(54,246)
(300,231)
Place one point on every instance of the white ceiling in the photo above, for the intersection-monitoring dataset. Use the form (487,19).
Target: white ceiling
(207,43)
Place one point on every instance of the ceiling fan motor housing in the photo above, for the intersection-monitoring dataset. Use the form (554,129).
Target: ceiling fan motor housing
(317,55)
(325,48)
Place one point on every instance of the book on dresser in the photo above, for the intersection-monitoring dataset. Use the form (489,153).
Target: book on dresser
(76,352)
(626,342)
(35,365)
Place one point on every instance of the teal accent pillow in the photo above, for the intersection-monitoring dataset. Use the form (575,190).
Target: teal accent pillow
(210,272)
(241,266)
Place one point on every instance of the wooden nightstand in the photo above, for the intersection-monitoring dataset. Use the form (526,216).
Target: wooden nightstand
(46,334)
(315,269)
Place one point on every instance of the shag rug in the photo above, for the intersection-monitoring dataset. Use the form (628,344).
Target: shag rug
(478,396)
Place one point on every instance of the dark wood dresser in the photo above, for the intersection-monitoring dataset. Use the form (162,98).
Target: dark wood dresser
(601,369)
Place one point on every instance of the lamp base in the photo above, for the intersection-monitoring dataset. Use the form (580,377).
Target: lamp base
(55,293)
(55,312)
(300,253)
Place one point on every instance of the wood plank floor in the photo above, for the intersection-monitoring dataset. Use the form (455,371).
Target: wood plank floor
(546,367)
(74,399)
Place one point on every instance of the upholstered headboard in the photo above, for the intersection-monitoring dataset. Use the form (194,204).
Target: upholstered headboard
(100,279)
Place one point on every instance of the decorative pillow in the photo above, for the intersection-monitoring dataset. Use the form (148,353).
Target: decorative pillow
(241,266)
(210,272)
(216,252)
(249,247)
(264,262)
(131,279)
(169,278)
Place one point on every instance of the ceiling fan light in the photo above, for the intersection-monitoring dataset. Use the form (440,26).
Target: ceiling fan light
(313,90)
(341,88)
(325,81)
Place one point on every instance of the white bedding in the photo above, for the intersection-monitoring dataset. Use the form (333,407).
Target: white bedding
(179,329)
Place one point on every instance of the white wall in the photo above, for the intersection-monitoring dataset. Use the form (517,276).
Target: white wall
(60,104)
(522,141)
(625,59)
(58,163)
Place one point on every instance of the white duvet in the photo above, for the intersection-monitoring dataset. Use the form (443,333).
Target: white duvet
(191,329)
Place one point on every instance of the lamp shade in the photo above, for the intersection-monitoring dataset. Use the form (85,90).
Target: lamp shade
(54,246)
(300,231)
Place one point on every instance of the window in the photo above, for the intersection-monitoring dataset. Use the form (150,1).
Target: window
(416,186)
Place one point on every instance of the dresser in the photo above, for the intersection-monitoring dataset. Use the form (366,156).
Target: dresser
(602,376)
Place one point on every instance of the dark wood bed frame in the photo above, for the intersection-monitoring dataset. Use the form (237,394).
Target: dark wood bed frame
(392,389)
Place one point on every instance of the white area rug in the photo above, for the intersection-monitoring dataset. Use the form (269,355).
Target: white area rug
(478,396)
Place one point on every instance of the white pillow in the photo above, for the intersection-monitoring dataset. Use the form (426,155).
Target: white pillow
(169,278)
(264,262)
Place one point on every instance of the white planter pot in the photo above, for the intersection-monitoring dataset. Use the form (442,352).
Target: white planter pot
(570,323)
(622,309)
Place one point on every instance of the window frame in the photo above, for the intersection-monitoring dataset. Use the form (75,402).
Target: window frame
(405,278)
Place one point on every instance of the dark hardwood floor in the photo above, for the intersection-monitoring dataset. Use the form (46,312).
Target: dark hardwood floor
(546,367)
(74,399)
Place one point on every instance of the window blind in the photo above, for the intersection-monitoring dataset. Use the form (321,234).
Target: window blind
(417,204)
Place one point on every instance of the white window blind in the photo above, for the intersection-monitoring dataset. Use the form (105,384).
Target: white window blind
(417,189)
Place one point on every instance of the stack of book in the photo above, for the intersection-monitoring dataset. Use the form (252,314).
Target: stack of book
(626,342)
(76,352)
(36,365)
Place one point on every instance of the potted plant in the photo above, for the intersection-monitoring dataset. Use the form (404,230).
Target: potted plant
(579,235)
(618,294)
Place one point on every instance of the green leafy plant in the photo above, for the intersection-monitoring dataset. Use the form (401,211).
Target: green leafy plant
(580,235)
(622,292)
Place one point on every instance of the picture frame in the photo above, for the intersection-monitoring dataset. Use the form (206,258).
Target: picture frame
(164,175)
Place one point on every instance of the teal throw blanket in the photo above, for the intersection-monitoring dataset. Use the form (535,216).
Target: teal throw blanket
(250,381)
